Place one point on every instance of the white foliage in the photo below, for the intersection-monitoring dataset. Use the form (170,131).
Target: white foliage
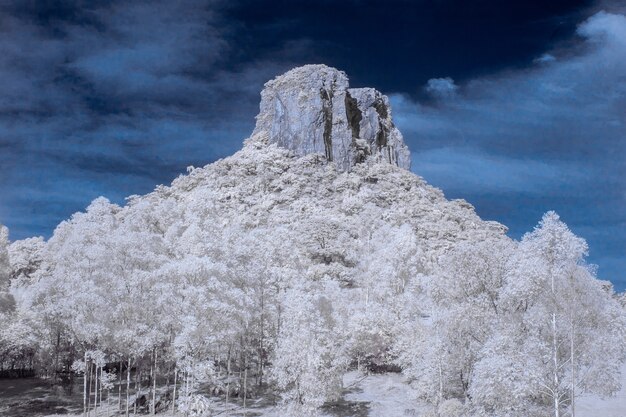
(5,267)
(78,366)
(26,257)
(309,359)
(107,380)
(451,408)
(284,265)
(195,405)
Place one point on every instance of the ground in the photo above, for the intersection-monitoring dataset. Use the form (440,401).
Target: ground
(594,406)
(384,395)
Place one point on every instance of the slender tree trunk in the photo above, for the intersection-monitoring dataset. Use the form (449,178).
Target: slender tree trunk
(150,382)
(56,358)
(119,388)
(573,365)
(154,384)
(245,385)
(556,367)
(90,390)
(97,387)
(128,386)
(95,391)
(555,358)
(85,388)
(187,389)
(99,391)
(101,370)
(241,365)
(137,390)
(174,395)
(228,376)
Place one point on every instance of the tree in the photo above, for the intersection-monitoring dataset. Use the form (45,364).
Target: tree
(387,275)
(10,346)
(466,302)
(26,257)
(440,345)
(7,303)
(564,333)
(310,359)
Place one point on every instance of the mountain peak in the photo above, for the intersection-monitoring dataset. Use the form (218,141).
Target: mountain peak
(311,109)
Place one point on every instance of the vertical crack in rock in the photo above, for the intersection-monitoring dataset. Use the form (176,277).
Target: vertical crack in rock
(353,113)
(381,136)
(327,115)
(381,109)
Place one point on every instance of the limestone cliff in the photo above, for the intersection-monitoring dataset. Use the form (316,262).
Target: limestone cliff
(311,109)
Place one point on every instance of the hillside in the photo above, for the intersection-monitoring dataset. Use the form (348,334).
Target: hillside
(311,252)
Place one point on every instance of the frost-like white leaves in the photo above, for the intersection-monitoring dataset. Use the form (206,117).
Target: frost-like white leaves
(292,270)
(513,326)
(558,323)
(78,366)
(195,405)
(309,360)
(5,267)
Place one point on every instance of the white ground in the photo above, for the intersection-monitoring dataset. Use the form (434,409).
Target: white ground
(388,395)
(385,395)
(593,406)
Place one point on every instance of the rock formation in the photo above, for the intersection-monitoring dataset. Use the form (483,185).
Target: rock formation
(311,109)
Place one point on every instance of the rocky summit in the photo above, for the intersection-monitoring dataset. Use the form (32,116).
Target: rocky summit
(311,109)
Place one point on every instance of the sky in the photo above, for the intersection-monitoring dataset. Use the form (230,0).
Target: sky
(518,107)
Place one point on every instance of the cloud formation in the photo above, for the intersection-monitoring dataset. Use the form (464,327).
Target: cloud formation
(552,136)
(441,87)
(113,99)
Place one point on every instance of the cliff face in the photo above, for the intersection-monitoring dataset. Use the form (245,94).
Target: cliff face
(311,109)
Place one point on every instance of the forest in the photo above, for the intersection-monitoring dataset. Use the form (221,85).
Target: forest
(265,274)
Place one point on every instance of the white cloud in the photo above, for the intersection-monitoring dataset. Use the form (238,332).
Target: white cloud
(545,58)
(113,100)
(459,167)
(550,136)
(606,27)
(441,87)
(570,110)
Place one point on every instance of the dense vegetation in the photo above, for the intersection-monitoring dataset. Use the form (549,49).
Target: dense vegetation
(266,270)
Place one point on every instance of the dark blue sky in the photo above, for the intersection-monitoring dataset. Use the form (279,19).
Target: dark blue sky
(518,107)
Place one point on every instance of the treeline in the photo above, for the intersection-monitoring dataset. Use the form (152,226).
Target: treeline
(267,272)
